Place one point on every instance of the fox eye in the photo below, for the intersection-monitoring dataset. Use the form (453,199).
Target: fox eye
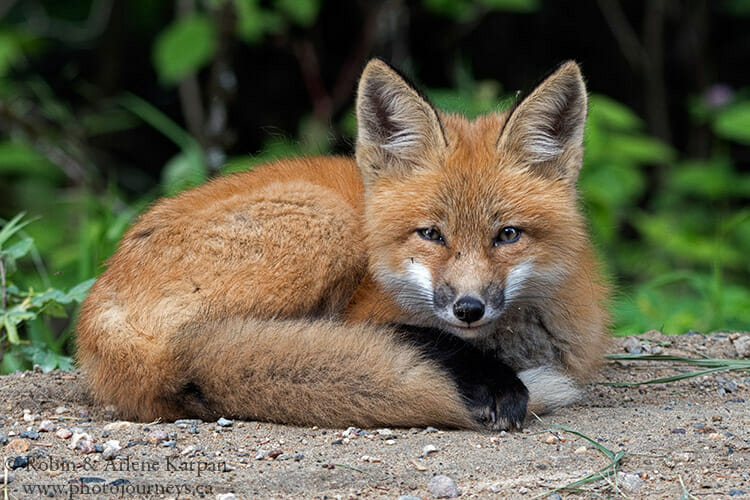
(431,234)
(509,234)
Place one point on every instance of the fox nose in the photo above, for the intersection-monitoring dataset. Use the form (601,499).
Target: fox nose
(468,309)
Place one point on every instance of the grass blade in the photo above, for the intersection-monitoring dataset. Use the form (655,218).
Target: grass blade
(712,364)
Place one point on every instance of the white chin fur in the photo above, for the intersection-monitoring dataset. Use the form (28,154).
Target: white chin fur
(548,389)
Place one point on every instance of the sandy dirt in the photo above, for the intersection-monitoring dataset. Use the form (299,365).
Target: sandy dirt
(687,437)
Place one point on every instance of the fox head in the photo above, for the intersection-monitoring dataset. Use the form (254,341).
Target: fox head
(467,219)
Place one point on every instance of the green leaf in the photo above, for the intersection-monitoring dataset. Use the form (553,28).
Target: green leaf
(12,362)
(12,227)
(158,120)
(606,112)
(460,10)
(18,250)
(11,330)
(184,47)
(302,12)
(640,149)
(46,359)
(733,123)
(512,5)
(10,52)
(185,170)
(612,186)
(19,158)
(711,179)
(253,21)
(79,292)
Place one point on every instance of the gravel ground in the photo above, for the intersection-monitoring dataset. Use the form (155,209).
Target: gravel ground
(689,436)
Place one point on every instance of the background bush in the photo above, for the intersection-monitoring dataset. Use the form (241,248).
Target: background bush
(107,104)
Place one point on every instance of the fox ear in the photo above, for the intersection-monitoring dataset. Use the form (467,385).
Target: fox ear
(397,126)
(545,131)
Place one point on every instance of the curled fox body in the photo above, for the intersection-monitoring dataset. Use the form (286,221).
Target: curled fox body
(276,294)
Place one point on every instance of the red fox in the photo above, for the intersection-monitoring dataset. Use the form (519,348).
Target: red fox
(443,278)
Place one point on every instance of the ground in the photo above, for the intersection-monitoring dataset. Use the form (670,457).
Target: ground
(690,437)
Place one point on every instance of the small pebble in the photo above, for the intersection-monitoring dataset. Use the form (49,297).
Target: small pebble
(193,430)
(729,386)
(552,439)
(408,497)
(224,422)
(298,457)
(275,453)
(734,492)
(29,435)
(110,449)
(63,433)
(226,496)
(156,437)
(20,462)
(742,346)
(47,426)
(554,496)
(430,430)
(61,409)
(390,441)
(523,490)
(632,345)
(429,449)
(580,450)
(443,487)
(98,448)
(169,444)
(17,446)
(188,421)
(630,482)
(116,426)
(338,441)
(384,433)
(92,480)
(86,446)
(351,432)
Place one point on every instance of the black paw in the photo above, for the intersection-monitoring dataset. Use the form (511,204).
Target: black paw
(499,405)
(493,393)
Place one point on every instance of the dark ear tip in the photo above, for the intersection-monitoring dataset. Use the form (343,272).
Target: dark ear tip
(570,68)
(378,65)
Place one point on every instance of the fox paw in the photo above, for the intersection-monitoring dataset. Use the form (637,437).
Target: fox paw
(499,406)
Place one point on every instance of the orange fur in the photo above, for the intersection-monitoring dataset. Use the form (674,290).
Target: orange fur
(266,295)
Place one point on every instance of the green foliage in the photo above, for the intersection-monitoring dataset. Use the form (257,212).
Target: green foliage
(465,10)
(184,47)
(187,168)
(733,122)
(685,267)
(23,336)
